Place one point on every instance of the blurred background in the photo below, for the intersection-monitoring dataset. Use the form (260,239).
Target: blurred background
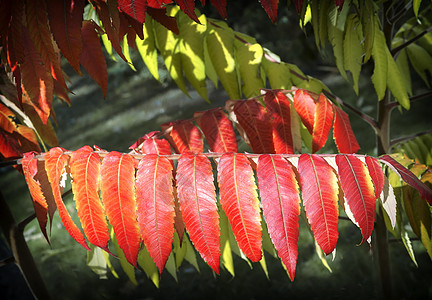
(137,104)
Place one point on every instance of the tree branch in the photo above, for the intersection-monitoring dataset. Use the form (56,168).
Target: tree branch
(409,137)
(368,119)
(412,99)
(409,42)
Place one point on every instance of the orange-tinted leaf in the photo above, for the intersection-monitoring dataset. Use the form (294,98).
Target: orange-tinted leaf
(218,130)
(240,202)
(160,16)
(359,192)
(322,123)
(156,206)
(65,18)
(304,104)
(185,136)
(256,123)
(37,81)
(152,144)
(30,169)
(188,7)
(92,58)
(134,8)
(270,6)
(85,170)
(279,108)
(377,175)
(220,6)
(319,187)
(343,133)
(408,177)
(40,33)
(280,200)
(118,196)
(55,163)
(197,200)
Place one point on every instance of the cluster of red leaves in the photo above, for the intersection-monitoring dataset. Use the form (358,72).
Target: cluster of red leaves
(141,191)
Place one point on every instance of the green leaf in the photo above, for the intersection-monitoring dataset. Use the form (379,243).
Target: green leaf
(264,266)
(379,77)
(323,13)
(249,54)
(168,45)
(96,261)
(421,61)
(341,20)
(171,266)
(315,21)
(396,82)
(416,6)
(369,25)
(403,65)
(407,243)
(108,47)
(278,74)
(335,37)
(179,250)
(266,241)
(192,51)
(220,45)
(311,84)
(147,264)
(147,48)
(226,253)
(126,266)
(353,49)
(321,256)
(209,68)
(125,47)
(190,253)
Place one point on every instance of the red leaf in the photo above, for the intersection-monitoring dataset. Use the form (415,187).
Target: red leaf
(359,192)
(279,108)
(339,3)
(280,200)
(343,133)
(197,200)
(158,3)
(322,123)
(188,7)
(118,197)
(109,16)
(85,170)
(377,175)
(160,16)
(30,169)
(320,198)
(134,8)
(55,163)
(65,18)
(40,33)
(218,130)
(220,6)
(270,6)
(299,5)
(14,46)
(304,104)
(185,136)
(408,177)
(255,122)
(156,206)
(240,202)
(92,58)
(36,80)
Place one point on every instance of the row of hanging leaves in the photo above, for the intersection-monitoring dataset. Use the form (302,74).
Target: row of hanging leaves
(48,29)
(139,191)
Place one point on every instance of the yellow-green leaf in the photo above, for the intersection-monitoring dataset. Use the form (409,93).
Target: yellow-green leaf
(248,56)
(220,46)
(421,61)
(403,65)
(335,37)
(379,77)
(147,264)
(226,253)
(125,47)
(192,51)
(126,266)
(147,48)
(96,261)
(278,74)
(396,82)
(353,49)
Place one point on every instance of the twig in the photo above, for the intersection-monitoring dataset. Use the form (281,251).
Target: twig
(368,119)
(24,223)
(412,99)
(409,137)
(6,261)
(407,43)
